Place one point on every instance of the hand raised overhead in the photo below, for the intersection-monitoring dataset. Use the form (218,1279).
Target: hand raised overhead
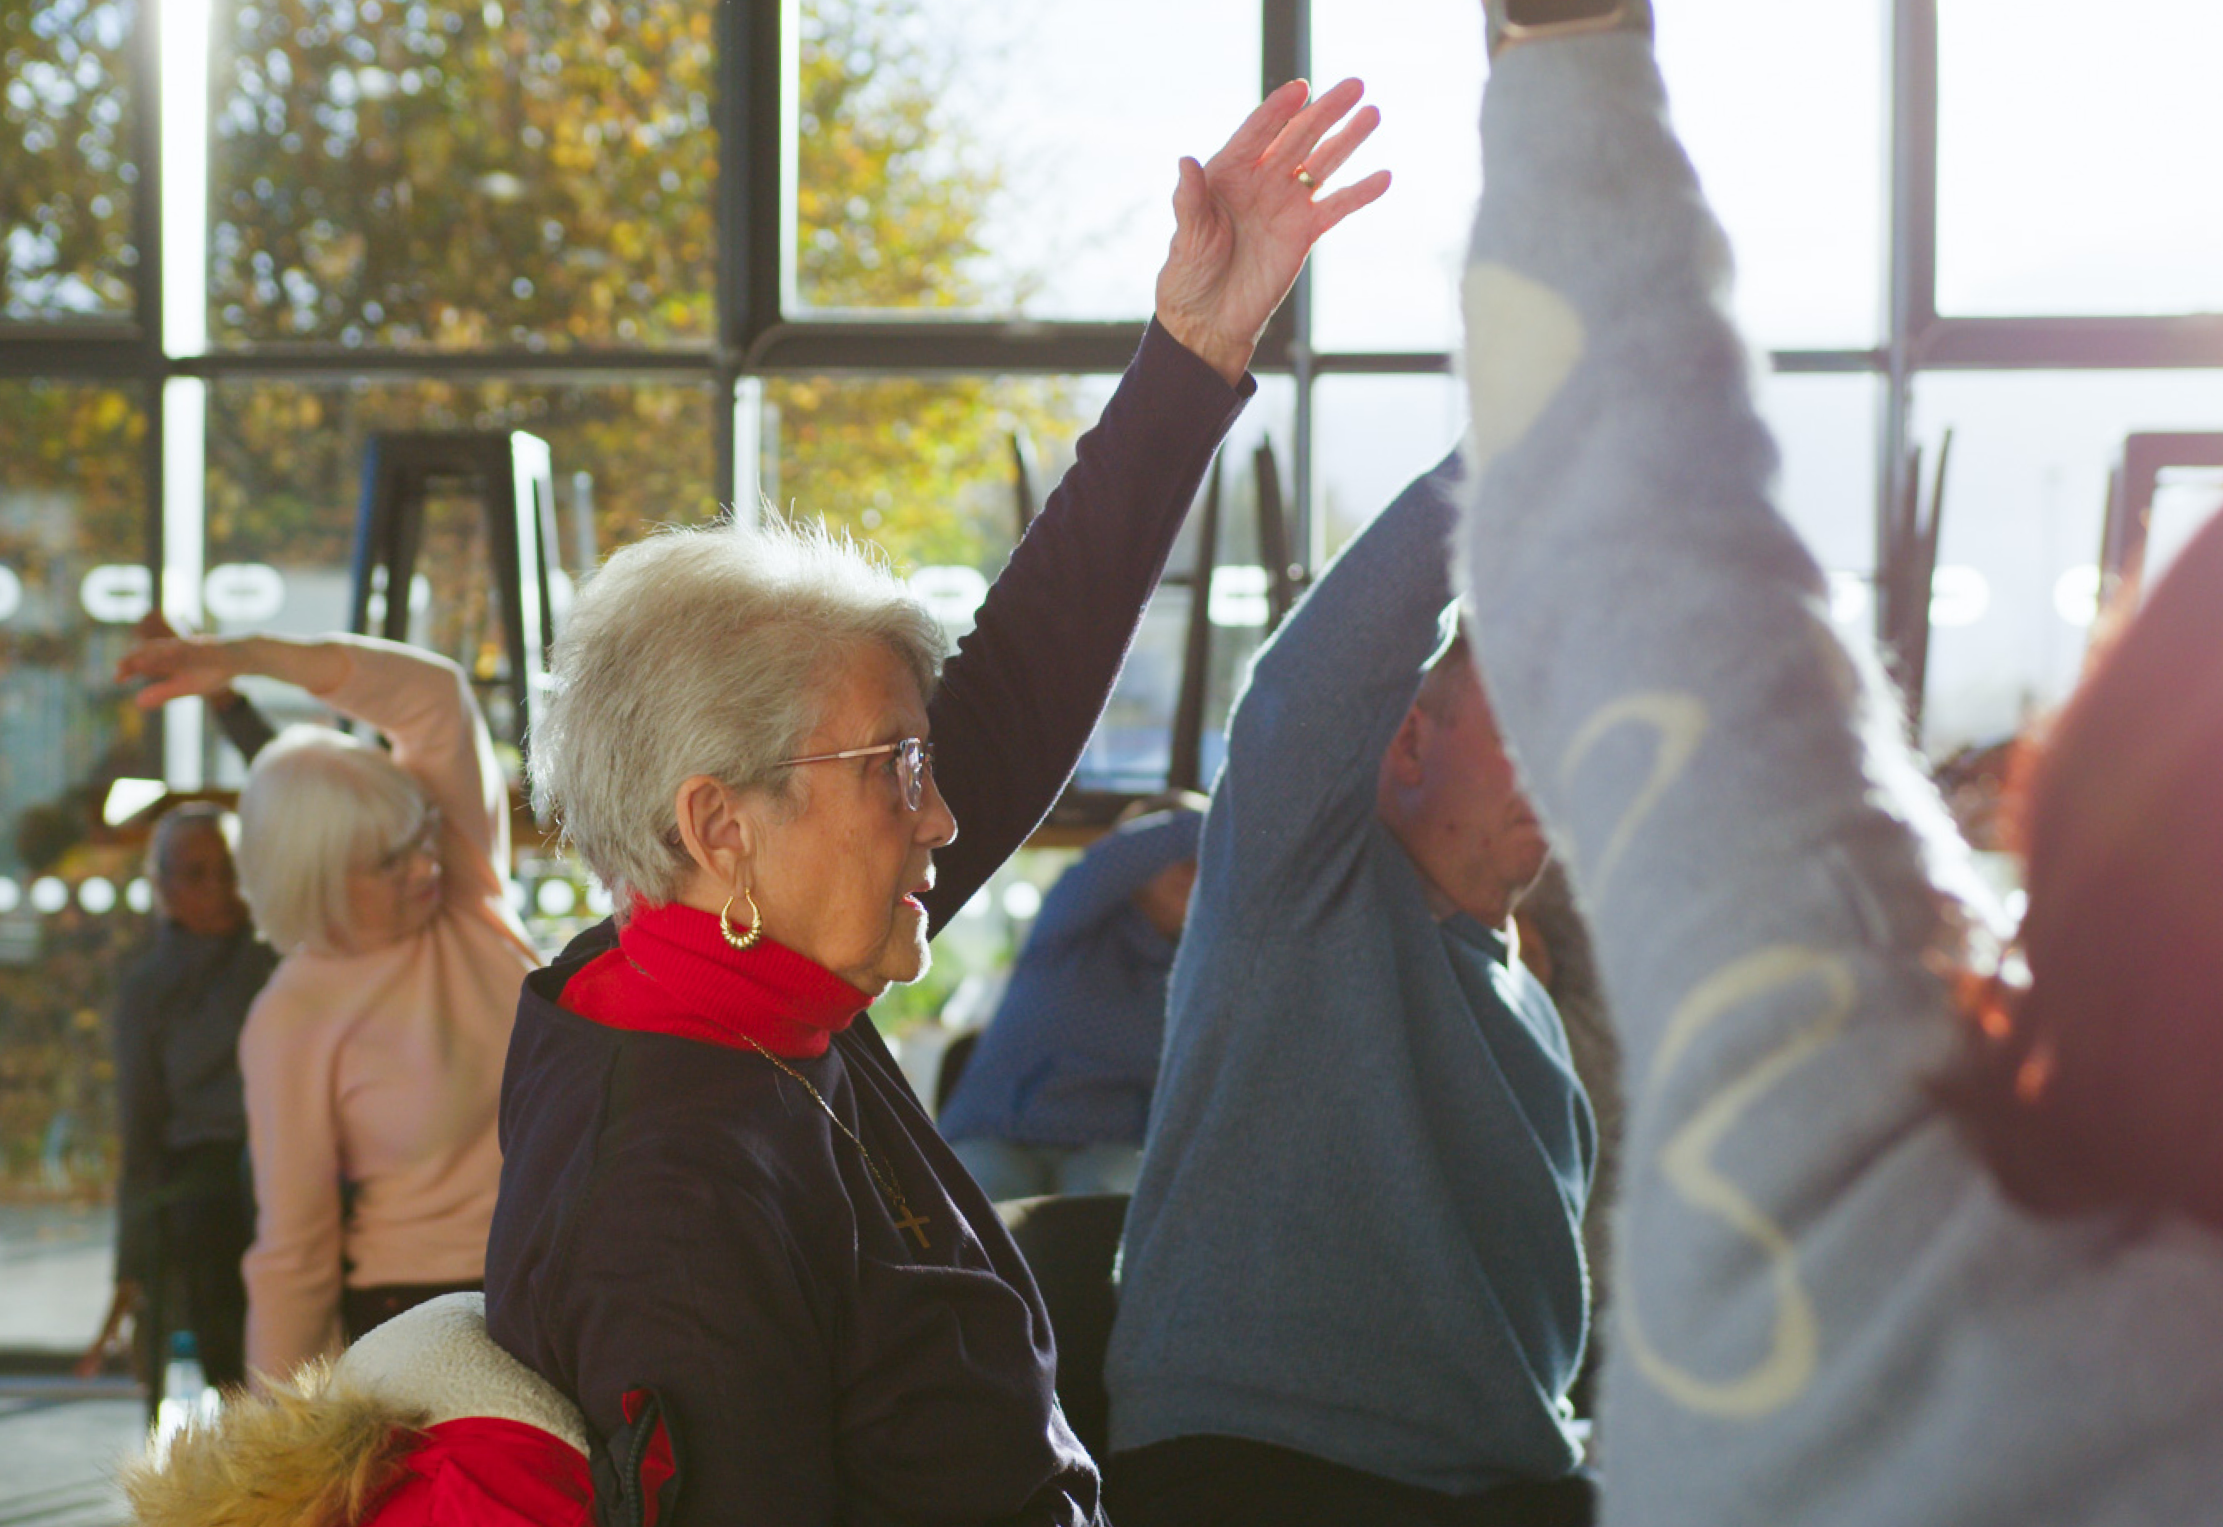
(1244,222)
(178,666)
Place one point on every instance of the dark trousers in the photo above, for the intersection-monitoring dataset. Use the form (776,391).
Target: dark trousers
(208,1222)
(1233,1482)
(366,1309)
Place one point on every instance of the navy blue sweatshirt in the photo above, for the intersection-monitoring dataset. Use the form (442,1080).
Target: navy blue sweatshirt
(681,1216)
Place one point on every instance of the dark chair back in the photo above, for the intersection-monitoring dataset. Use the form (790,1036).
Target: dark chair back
(1070,1243)
(954,1057)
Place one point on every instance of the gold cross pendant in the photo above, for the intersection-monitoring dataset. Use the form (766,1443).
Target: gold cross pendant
(915,1223)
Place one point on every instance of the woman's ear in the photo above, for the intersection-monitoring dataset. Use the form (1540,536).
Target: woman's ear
(717,829)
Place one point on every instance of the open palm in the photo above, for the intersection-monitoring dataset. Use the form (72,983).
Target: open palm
(1244,222)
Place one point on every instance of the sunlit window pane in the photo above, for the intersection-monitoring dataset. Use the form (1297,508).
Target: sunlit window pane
(1388,278)
(2079,153)
(1133,745)
(1825,428)
(2024,504)
(1792,160)
(1371,436)
(66,192)
(965,155)
(1374,434)
(72,517)
(1792,156)
(454,173)
(924,466)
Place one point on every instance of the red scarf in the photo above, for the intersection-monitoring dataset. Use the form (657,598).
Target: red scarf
(673,973)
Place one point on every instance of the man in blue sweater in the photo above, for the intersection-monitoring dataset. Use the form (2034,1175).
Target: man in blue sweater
(1055,1098)
(1353,1288)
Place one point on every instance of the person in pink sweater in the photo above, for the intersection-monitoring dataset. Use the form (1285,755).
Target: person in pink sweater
(373,1058)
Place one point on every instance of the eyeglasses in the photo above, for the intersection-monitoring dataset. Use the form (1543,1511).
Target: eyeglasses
(425,840)
(914,761)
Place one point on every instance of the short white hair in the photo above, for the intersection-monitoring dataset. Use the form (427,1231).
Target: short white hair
(317,805)
(705,651)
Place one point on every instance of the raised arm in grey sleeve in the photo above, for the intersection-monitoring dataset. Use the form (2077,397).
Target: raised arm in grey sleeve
(1825,1306)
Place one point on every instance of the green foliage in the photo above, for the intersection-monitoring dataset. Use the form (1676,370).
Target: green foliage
(924,467)
(66,196)
(891,199)
(57,1124)
(84,442)
(890,193)
(409,172)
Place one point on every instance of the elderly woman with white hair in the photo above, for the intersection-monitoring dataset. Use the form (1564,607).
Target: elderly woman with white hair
(373,1058)
(717,1186)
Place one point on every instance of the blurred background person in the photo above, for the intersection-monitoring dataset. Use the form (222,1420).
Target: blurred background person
(1057,1092)
(373,1059)
(184,1215)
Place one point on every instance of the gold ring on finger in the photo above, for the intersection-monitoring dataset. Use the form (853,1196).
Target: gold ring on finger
(1304,178)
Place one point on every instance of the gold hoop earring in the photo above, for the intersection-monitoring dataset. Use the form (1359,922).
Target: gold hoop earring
(756,924)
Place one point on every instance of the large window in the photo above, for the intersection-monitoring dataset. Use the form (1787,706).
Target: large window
(881,260)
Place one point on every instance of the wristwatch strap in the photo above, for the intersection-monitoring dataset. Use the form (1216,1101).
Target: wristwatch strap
(1512,21)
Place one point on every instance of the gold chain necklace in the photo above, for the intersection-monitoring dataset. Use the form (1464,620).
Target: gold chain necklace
(915,1223)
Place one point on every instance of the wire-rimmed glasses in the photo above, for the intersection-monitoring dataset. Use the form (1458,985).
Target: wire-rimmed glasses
(914,760)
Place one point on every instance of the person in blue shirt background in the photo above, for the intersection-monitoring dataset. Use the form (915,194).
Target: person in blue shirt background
(1057,1092)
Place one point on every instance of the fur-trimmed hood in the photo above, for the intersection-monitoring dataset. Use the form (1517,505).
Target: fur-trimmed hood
(324,1448)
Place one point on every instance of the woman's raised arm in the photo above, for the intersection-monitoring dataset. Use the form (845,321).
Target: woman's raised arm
(1244,222)
(419,700)
(1020,698)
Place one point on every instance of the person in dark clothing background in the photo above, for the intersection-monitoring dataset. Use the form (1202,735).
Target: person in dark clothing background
(184,1212)
(1055,1098)
(174,1024)
(715,1182)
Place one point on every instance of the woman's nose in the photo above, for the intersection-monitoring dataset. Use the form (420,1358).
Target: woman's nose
(937,825)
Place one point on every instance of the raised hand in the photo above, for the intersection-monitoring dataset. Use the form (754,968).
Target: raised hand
(178,666)
(1244,222)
